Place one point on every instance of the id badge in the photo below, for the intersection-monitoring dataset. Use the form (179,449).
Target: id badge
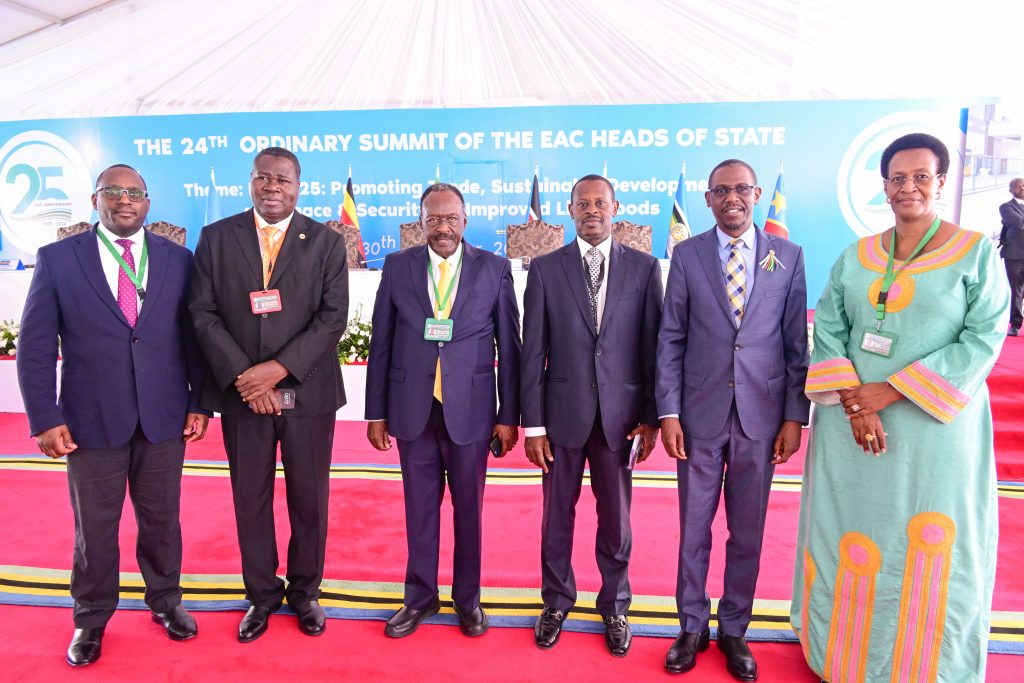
(878,343)
(287,397)
(438,330)
(265,301)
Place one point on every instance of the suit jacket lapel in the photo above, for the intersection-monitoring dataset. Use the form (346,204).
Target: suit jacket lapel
(249,244)
(470,268)
(615,285)
(572,264)
(157,269)
(292,246)
(88,255)
(765,243)
(711,261)
(418,279)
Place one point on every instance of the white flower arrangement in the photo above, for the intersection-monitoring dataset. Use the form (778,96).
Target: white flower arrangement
(9,337)
(354,345)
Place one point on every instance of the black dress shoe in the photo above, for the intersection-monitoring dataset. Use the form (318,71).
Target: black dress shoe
(617,635)
(1014,331)
(179,624)
(473,623)
(738,658)
(311,617)
(253,624)
(548,628)
(405,621)
(682,656)
(85,646)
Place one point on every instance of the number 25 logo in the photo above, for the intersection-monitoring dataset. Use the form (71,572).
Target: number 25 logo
(38,184)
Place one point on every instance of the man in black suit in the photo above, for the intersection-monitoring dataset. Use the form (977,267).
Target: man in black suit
(130,380)
(1011,241)
(590,327)
(269,303)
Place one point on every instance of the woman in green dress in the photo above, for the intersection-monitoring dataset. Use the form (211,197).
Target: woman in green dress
(897,544)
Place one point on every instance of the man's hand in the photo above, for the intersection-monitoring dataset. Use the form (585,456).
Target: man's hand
(195,427)
(259,379)
(650,435)
(509,435)
(56,442)
(787,441)
(869,433)
(869,398)
(377,435)
(672,437)
(538,450)
(266,403)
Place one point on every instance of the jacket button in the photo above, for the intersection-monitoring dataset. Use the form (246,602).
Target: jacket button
(263,314)
(440,344)
(597,351)
(135,340)
(737,347)
(593,385)
(731,383)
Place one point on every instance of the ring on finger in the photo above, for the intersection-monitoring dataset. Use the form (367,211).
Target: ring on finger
(869,437)
(855,407)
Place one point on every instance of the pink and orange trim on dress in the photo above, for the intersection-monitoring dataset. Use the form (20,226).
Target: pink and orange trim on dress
(830,375)
(874,258)
(853,608)
(929,391)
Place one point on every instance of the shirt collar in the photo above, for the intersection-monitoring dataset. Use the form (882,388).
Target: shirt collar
(748,237)
(435,258)
(136,237)
(281,225)
(1019,201)
(604,247)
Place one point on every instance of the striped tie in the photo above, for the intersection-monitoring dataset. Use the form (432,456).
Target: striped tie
(735,280)
(442,288)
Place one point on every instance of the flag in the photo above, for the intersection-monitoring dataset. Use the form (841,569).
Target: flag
(213,211)
(679,227)
(776,221)
(437,174)
(348,213)
(533,211)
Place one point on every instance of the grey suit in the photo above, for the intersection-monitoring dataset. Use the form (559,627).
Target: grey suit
(1011,242)
(732,389)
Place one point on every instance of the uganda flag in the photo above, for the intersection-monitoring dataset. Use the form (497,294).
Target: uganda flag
(533,211)
(776,221)
(349,217)
(678,227)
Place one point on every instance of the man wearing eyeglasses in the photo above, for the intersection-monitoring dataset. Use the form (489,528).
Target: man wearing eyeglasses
(1011,243)
(430,382)
(731,366)
(590,327)
(111,302)
(269,303)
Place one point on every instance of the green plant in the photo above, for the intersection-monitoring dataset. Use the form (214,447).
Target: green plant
(354,345)
(9,337)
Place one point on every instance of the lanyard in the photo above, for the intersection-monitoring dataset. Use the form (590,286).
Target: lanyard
(890,276)
(143,260)
(438,301)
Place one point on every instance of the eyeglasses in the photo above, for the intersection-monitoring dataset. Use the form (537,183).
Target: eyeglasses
(452,220)
(920,180)
(721,192)
(264,179)
(600,205)
(113,193)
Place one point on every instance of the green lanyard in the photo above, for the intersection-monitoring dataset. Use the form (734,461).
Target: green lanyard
(890,276)
(441,303)
(143,260)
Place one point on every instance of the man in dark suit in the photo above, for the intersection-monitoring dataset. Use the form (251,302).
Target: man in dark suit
(1011,242)
(269,303)
(130,380)
(590,326)
(430,383)
(732,360)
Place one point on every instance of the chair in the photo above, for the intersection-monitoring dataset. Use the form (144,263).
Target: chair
(168,231)
(72,230)
(353,238)
(640,237)
(532,239)
(411,235)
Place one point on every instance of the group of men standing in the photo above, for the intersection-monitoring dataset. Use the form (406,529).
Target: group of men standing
(603,362)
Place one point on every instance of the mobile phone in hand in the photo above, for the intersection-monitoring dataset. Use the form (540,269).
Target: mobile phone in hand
(635,451)
(495,447)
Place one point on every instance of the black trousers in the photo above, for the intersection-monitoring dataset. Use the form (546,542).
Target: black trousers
(1015,274)
(97,480)
(251,442)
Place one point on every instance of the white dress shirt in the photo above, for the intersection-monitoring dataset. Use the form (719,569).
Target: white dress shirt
(435,265)
(111,268)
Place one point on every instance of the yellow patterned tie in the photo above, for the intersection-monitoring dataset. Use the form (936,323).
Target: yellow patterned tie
(442,289)
(268,251)
(735,280)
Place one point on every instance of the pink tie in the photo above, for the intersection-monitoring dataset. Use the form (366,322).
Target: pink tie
(127,296)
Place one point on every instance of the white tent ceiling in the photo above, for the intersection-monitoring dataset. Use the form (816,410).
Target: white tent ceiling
(130,57)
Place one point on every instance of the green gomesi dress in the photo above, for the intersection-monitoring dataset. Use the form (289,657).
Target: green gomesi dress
(896,554)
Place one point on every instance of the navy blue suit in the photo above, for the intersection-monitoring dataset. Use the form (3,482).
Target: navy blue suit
(589,389)
(448,439)
(124,396)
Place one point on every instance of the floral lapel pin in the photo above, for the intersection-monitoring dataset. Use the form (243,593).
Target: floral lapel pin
(771,261)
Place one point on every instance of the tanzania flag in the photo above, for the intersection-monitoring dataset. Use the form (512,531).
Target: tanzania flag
(533,211)
(679,227)
(776,221)
(348,213)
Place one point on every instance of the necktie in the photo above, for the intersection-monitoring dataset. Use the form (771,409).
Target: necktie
(127,296)
(442,289)
(594,258)
(735,280)
(268,252)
